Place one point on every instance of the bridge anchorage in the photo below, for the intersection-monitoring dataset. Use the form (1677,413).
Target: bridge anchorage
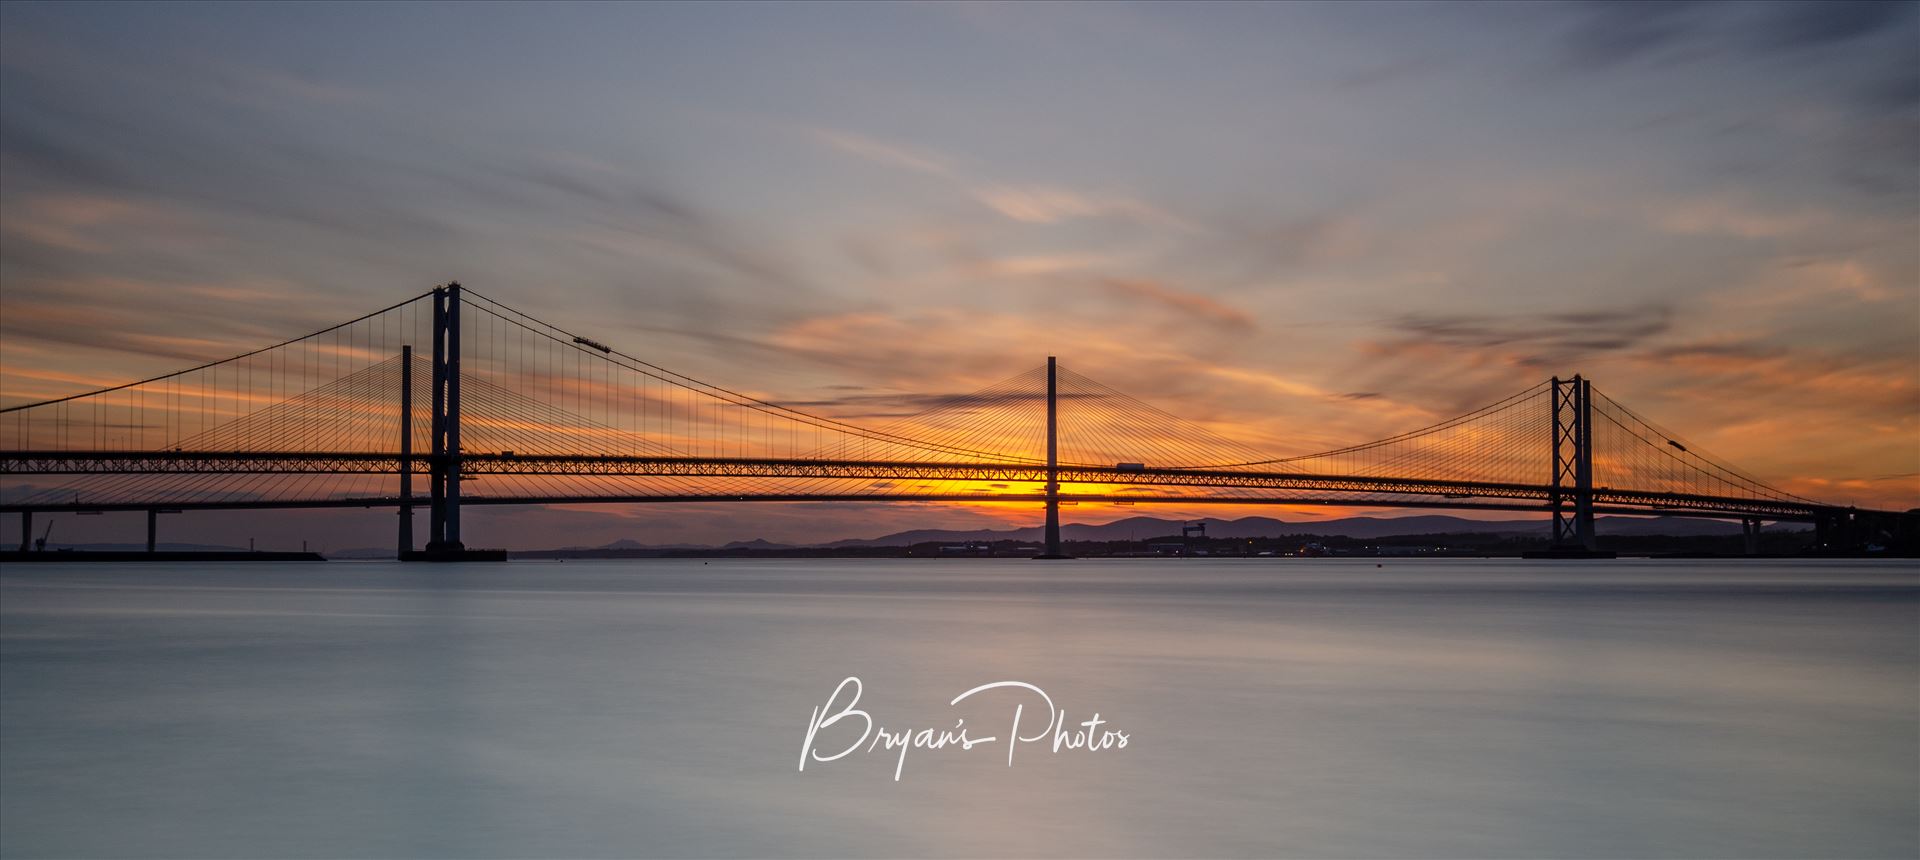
(516,411)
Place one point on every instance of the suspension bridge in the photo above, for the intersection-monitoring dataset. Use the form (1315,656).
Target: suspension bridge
(505,409)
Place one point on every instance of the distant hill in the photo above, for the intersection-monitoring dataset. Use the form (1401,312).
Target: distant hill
(757,543)
(1141,528)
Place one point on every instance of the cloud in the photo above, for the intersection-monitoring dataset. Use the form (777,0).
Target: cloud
(1271,381)
(883,153)
(28,148)
(1042,264)
(99,223)
(1390,72)
(1611,34)
(1720,216)
(1820,23)
(615,210)
(1861,383)
(1732,351)
(1450,363)
(268,83)
(1808,281)
(144,318)
(1189,304)
(1028,204)
(856,407)
(1540,338)
(1043,204)
(1843,78)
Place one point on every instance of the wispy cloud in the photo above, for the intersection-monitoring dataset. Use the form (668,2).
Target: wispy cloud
(1025,203)
(1543,338)
(1042,204)
(1203,308)
(1721,216)
(1045,264)
(97,223)
(1612,34)
(1805,283)
(883,153)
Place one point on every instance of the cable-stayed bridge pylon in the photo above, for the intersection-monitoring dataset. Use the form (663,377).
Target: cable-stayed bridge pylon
(498,407)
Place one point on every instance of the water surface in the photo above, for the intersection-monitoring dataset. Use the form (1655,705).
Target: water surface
(1300,708)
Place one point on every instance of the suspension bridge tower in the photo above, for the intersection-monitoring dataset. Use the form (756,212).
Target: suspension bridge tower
(1570,495)
(443,458)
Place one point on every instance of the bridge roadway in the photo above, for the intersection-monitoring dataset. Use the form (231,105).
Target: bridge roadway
(1352,490)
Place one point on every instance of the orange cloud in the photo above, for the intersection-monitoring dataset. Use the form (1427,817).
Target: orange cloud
(93,223)
(1188,303)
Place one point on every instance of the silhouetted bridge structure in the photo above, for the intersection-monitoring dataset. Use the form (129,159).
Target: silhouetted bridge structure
(507,409)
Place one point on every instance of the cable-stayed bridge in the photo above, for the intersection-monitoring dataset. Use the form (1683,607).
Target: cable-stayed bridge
(498,407)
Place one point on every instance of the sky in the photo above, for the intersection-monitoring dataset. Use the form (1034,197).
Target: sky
(1319,224)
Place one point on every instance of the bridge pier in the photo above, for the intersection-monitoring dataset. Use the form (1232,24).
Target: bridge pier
(153,528)
(1850,531)
(1750,535)
(1833,531)
(26,530)
(1053,549)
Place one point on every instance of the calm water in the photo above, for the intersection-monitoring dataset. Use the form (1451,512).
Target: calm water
(1273,707)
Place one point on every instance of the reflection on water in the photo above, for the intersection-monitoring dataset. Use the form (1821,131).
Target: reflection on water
(1276,708)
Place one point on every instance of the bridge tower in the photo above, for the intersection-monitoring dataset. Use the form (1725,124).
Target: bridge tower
(406,449)
(443,459)
(450,536)
(1572,466)
(1052,550)
(437,429)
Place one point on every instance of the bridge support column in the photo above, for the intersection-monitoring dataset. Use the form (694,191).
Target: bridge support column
(444,523)
(452,516)
(436,446)
(1583,470)
(1750,535)
(443,497)
(1053,549)
(153,527)
(26,530)
(406,449)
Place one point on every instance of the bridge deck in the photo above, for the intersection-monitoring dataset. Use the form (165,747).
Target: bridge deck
(1362,490)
